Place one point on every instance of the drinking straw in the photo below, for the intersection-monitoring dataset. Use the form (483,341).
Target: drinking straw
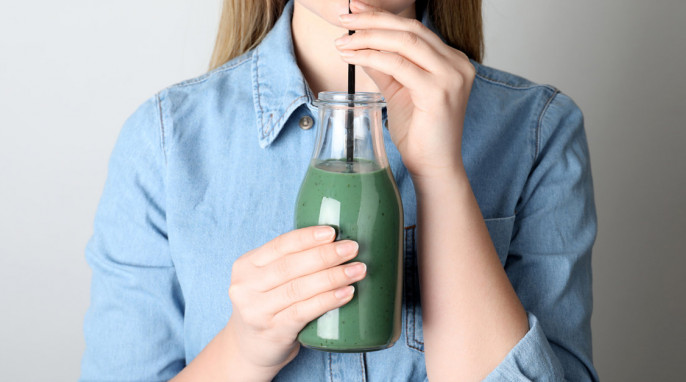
(349,134)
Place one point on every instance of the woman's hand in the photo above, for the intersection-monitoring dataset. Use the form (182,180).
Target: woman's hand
(425,82)
(280,287)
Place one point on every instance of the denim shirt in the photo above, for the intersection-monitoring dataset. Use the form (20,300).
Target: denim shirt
(209,169)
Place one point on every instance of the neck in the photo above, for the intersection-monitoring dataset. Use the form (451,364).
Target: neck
(317,56)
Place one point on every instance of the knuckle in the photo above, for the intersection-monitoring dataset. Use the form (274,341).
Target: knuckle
(461,54)
(293,291)
(415,25)
(234,293)
(374,15)
(398,61)
(363,54)
(323,255)
(463,64)
(283,269)
(333,276)
(304,238)
(294,313)
(277,245)
(323,304)
(236,267)
(470,70)
(409,38)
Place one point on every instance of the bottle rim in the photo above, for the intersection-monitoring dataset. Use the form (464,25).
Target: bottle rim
(346,99)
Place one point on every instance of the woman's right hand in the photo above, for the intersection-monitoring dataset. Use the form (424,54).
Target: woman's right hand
(279,287)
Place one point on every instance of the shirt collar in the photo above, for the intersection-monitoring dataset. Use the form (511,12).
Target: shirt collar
(279,87)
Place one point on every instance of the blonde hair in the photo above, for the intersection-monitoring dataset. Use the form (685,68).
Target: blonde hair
(244,23)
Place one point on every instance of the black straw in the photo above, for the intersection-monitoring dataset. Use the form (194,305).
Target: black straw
(349,130)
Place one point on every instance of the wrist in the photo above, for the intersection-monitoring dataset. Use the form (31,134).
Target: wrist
(437,183)
(222,360)
(238,366)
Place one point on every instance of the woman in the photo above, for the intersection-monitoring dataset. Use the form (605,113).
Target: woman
(493,171)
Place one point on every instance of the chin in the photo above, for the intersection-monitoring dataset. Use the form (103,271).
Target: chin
(329,10)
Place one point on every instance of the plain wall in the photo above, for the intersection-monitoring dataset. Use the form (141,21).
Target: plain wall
(72,71)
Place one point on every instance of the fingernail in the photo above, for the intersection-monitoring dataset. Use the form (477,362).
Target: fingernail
(345,248)
(324,233)
(342,40)
(355,269)
(346,53)
(347,17)
(344,292)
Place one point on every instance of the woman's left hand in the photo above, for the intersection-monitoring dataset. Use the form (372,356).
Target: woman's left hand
(425,82)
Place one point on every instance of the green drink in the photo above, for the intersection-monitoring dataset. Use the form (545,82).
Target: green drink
(363,205)
(349,186)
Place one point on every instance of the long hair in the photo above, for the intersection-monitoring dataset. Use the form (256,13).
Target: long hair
(244,23)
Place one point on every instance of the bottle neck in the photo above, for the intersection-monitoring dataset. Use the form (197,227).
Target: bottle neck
(351,134)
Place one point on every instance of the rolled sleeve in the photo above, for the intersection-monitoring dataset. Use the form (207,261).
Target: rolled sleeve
(549,260)
(532,359)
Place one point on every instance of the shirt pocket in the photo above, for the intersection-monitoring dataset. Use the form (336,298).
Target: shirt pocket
(500,230)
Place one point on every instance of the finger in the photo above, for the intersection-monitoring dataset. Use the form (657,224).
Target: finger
(291,242)
(306,287)
(405,71)
(377,18)
(298,315)
(386,83)
(306,262)
(407,44)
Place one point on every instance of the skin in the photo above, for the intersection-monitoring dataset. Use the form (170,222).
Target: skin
(472,317)
(315,27)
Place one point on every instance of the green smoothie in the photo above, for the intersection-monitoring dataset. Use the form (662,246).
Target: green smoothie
(363,204)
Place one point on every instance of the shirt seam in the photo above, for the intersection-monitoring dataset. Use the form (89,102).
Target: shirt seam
(266,133)
(540,122)
(501,218)
(266,129)
(511,86)
(207,75)
(330,368)
(162,134)
(411,339)
(258,96)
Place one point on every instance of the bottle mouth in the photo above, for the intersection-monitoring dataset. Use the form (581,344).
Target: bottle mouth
(347,99)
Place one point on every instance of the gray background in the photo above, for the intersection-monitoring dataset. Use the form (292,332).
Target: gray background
(72,71)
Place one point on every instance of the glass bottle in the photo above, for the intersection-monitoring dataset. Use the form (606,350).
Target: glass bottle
(349,186)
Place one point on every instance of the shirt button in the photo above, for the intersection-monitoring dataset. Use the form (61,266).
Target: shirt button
(306,122)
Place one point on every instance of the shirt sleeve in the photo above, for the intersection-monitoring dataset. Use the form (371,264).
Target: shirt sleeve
(134,325)
(549,261)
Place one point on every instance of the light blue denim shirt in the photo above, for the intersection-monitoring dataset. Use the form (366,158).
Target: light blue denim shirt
(208,169)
